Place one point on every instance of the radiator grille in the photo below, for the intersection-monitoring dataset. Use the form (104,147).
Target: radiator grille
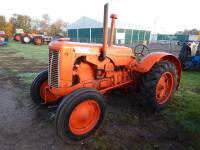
(53,70)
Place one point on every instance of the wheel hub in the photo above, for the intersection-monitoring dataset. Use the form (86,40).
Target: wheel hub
(164,87)
(26,39)
(84,117)
(17,38)
(38,41)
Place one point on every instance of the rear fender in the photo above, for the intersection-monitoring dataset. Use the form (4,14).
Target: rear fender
(147,63)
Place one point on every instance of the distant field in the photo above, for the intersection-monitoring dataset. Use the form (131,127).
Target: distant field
(184,109)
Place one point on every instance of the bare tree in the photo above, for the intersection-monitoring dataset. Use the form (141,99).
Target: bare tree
(45,23)
(59,28)
(35,25)
(21,21)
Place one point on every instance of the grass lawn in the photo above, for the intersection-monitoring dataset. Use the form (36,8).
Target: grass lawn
(29,51)
(184,108)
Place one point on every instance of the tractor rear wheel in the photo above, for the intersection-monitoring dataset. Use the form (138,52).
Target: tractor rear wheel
(26,39)
(80,114)
(38,40)
(39,90)
(159,85)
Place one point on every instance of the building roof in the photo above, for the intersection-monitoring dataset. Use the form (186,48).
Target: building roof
(85,22)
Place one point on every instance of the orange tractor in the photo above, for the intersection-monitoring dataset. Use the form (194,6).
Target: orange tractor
(26,38)
(79,74)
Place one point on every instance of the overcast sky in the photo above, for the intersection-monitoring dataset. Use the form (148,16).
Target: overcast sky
(163,16)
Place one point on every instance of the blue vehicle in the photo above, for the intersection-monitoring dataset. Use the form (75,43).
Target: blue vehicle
(190,60)
(3,38)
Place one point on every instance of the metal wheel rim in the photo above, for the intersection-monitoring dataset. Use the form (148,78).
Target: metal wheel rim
(164,87)
(84,117)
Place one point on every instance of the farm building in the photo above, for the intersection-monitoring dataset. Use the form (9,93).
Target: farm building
(88,30)
(171,37)
(174,37)
(168,37)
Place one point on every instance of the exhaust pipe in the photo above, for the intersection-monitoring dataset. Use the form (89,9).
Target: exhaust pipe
(112,31)
(105,34)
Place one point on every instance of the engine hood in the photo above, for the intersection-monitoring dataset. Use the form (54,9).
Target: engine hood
(88,47)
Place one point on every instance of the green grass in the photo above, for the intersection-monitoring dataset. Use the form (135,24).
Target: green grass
(27,78)
(29,51)
(185,107)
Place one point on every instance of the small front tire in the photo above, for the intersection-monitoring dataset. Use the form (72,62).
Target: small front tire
(80,114)
(38,90)
(17,37)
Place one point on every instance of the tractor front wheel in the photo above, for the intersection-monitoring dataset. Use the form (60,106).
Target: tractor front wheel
(80,114)
(159,85)
(39,90)
(17,37)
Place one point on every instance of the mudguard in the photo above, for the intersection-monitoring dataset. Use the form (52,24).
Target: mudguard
(148,61)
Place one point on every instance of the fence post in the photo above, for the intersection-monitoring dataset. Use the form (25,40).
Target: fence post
(90,35)
(144,36)
(77,35)
(138,36)
(131,42)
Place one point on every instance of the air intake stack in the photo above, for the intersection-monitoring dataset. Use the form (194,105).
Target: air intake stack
(112,30)
(105,33)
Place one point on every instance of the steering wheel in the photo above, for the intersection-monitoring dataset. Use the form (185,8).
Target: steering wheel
(141,50)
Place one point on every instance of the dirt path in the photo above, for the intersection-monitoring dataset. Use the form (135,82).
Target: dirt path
(24,126)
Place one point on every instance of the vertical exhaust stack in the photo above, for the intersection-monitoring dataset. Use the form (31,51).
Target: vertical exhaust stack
(105,33)
(112,31)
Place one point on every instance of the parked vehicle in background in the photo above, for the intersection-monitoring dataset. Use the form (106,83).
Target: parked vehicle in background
(3,38)
(36,39)
(17,35)
(42,39)
(189,56)
(180,43)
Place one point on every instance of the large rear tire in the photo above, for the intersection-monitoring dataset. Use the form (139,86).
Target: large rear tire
(37,90)
(80,114)
(158,85)
(38,40)
(26,39)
